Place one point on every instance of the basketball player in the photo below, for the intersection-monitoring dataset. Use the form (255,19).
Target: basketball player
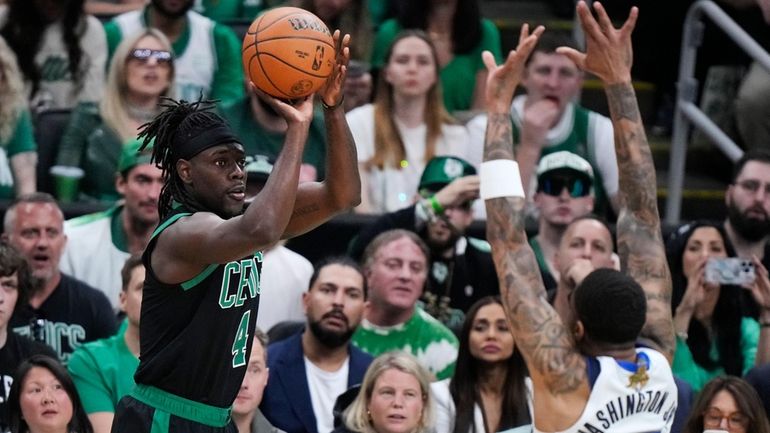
(202,287)
(595,379)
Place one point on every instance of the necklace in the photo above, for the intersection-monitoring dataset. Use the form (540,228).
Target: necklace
(141,114)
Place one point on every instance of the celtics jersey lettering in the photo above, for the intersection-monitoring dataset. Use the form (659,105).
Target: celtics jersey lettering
(197,335)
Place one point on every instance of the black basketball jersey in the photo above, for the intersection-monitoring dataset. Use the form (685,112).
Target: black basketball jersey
(196,336)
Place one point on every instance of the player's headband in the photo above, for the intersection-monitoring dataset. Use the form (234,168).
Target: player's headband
(189,144)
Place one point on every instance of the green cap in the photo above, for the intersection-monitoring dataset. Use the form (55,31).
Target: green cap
(130,157)
(441,171)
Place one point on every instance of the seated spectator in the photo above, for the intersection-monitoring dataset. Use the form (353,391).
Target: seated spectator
(564,193)
(61,51)
(460,269)
(42,383)
(405,127)
(18,151)
(396,265)
(61,311)
(727,404)
(394,382)
(713,338)
(459,34)
(246,414)
(546,119)
(312,368)
(14,289)
(207,55)
(103,370)
(98,244)
(141,72)
(487,393)
(262,131)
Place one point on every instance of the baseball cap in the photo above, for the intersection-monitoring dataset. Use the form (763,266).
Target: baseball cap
(564,161)
(131,156)
(441,171)
(258,167)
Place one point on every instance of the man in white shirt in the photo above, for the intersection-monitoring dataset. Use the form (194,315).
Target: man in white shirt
(309,370)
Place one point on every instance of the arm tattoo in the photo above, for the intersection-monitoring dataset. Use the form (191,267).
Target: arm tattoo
(640,243)
(539,332)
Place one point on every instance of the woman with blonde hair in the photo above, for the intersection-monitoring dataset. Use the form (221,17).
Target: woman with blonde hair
(18,152)
(394,398)
(405,127)
(141,73)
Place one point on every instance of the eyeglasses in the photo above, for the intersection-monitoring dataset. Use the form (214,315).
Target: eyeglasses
(713,418)
(553,186)
(753,186)
(145,54)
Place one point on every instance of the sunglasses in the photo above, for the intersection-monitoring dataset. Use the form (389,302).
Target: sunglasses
(145,54)
(554,185)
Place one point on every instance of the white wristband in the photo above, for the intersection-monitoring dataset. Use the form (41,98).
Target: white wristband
(500,178)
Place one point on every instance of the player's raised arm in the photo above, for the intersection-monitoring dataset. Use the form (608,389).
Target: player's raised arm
(554,364)
(640,245)
(341,190)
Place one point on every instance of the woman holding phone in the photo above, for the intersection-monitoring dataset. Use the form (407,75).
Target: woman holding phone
(713,335)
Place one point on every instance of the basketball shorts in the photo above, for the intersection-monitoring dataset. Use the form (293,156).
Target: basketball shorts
(150,410)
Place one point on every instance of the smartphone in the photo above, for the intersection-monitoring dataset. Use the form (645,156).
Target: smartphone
(731,270)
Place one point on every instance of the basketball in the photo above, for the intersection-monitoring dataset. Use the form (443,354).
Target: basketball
(288,52)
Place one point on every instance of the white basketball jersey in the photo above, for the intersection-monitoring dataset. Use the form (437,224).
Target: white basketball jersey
(616,407)
(195,67)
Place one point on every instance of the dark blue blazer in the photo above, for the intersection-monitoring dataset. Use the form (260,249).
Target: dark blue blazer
(286,401)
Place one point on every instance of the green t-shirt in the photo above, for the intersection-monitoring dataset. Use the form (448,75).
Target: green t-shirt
(459,73)
(688,370)
(256,140)
(21,140)
(103,372)
(432,343)
(224,10)
(227,84)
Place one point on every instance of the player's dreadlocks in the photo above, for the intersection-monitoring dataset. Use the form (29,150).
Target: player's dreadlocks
(181,131)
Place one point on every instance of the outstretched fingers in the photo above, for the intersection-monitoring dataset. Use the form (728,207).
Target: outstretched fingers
(630,24)
(590,27)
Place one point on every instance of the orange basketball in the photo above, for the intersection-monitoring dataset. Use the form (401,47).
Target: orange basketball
(288,52)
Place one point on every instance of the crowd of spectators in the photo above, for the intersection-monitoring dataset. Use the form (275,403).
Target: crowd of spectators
(411,317)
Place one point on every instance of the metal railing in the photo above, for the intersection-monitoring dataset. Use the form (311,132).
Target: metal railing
(687,113)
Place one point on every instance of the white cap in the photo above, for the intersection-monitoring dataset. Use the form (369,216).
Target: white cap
(564,160)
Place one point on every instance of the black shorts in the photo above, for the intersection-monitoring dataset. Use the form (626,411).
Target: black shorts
(135,416)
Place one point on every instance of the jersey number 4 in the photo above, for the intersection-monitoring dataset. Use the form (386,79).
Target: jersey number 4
(241,340)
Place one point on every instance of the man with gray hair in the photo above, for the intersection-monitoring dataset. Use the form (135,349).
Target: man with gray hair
(395,265)
(61,311)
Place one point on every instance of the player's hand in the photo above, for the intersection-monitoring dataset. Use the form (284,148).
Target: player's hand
(503,79)
(301,112)
(537,121)
(609,54)
(459,191)
(332,90)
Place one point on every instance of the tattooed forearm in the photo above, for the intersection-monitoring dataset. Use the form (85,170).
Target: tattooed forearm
(622,102)
(640,244)
(498,143)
